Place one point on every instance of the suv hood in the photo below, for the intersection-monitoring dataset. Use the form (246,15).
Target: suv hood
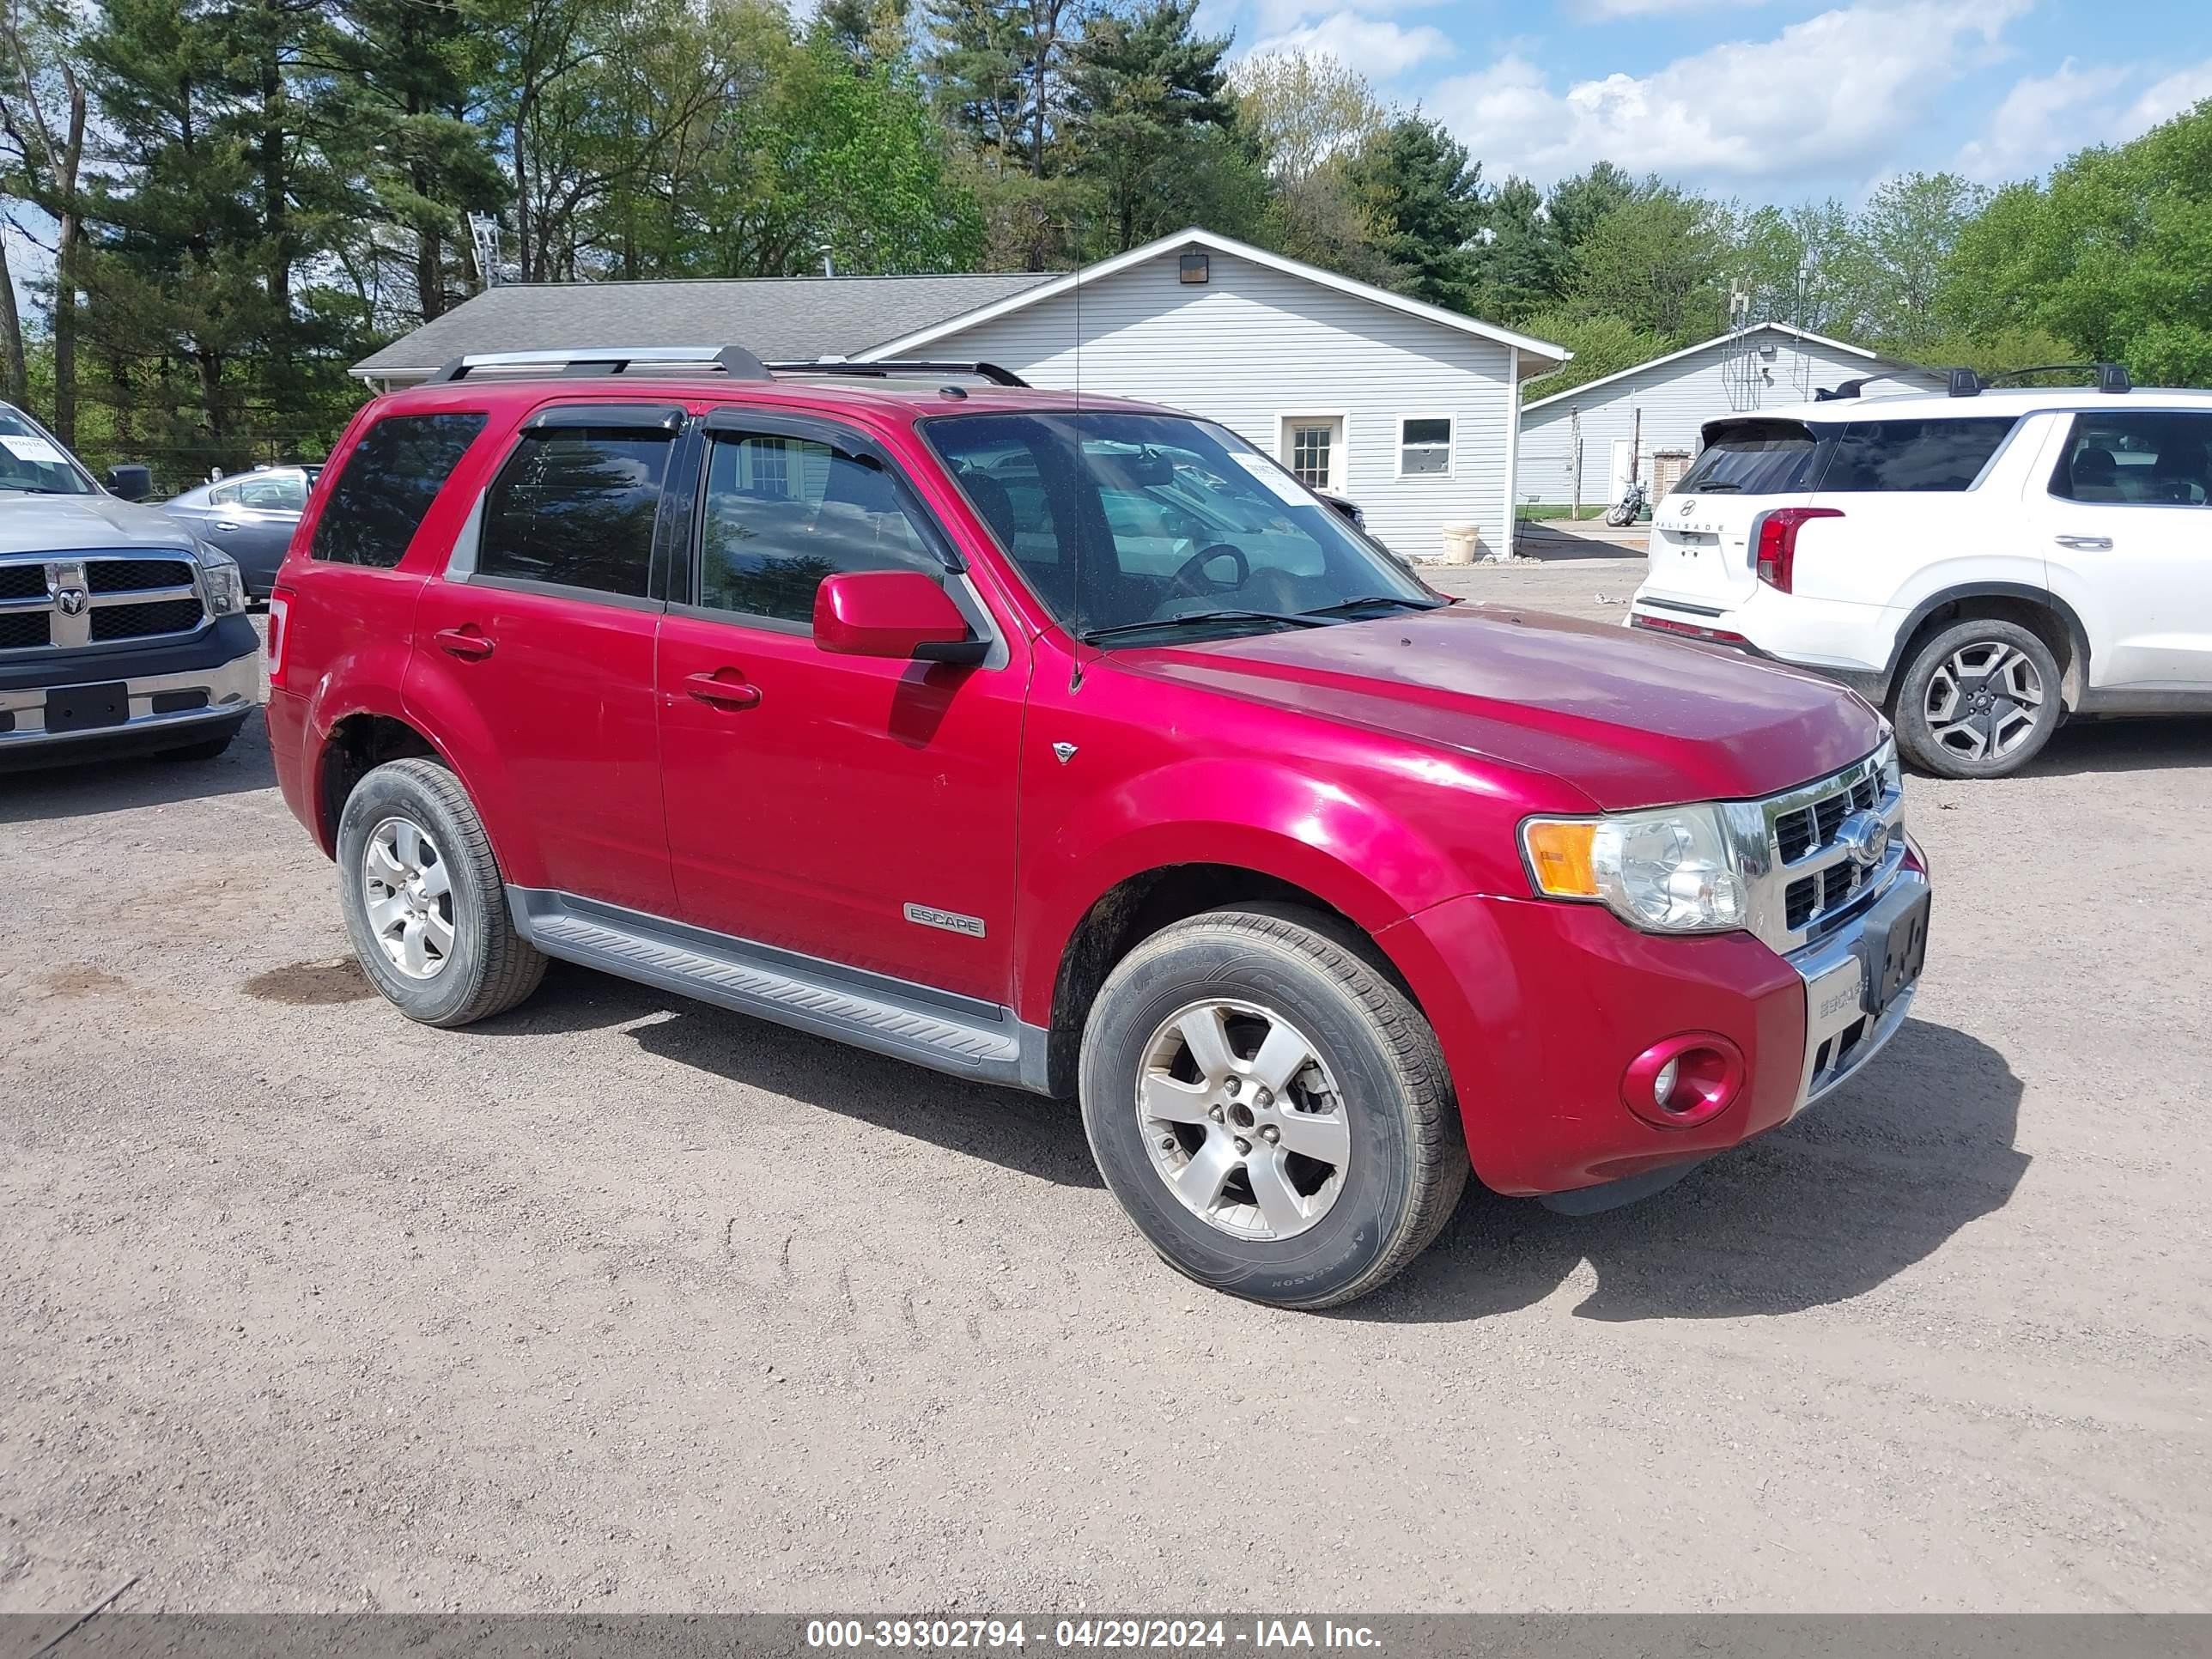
(1631,719)
(83,523)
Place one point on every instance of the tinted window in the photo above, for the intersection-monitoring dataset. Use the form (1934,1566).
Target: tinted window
(2147,459)
(1871,456)
(783,513)
(575,506)
(1751,457)
(387,484)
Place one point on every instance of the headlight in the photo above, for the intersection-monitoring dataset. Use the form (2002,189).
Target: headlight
(219,577)
(1672,870)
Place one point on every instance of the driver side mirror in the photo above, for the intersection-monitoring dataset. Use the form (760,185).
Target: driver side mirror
(899,614)
(133,481)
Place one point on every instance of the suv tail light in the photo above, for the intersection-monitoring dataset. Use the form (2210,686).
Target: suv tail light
(272,645)
(1778,543)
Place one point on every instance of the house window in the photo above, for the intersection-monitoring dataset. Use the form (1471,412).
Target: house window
(1425,445)
(1310,447)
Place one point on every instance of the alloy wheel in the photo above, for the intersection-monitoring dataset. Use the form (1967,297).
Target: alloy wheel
(1243,1119)
(407,891)
(1983,700)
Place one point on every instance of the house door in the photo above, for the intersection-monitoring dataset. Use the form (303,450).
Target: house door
(1617,476)
(1313,448)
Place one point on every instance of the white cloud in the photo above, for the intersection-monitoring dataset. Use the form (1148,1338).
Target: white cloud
(1598,11)
(2045,117)
(1822,95)
(1378,48)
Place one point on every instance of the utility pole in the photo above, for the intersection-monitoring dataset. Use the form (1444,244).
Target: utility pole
(1574,464)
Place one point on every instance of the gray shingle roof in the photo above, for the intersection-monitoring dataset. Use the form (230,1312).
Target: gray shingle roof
(774,317)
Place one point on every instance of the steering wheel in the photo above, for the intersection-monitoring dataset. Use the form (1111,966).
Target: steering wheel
(1188,574)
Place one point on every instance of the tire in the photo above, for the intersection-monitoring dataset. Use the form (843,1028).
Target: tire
(1963,707)
(1615,517)
(1294,1231)
(413,815)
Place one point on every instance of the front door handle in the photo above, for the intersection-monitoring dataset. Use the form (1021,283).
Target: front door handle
(2087,544)
(467,642)
(737,692)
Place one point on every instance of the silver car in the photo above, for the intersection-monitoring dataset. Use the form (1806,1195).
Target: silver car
(250,515)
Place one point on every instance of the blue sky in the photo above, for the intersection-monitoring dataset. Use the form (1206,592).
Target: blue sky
(1766,100)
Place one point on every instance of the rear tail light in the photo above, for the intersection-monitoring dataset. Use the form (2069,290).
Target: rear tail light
(1687,631)
(272,644)
(1777,543)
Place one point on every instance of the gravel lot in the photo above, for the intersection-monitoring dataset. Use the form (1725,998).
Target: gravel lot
(622,1303)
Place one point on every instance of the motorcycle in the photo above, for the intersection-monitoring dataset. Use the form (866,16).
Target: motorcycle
(1631,506)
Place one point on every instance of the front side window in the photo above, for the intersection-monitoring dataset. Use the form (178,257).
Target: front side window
(782,512)
(1424,447)
(575,507)
(1870,457)
(387,484)
(2146,460)
(1129,521)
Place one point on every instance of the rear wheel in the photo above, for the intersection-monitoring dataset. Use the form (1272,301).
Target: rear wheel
(1269,1108)
(423,900)
(1978,700)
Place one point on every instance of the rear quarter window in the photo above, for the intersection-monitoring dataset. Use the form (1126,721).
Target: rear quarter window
(1881,456)
(387,485)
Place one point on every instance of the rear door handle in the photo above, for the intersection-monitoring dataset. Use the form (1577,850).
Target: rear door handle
(737,692)
(2087,544)
(468,643)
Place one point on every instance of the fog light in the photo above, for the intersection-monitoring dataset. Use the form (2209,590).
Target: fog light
(1685,1080)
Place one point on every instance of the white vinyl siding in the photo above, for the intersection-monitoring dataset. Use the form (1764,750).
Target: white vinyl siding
(1254,346)
(1676,399)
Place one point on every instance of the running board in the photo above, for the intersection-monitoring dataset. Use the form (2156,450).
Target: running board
(946,1032)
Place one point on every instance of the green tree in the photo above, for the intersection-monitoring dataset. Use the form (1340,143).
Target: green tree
(43,108)
(1425,204)
(1520,266)
(1658,263)
(2109,256)
(1908,231)
(1576,206)
(1149,101)
(1306,117)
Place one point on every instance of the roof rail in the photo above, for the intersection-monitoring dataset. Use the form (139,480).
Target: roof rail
(882,370)
(2112,378)
(735,362)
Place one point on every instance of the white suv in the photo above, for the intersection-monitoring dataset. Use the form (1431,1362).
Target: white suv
(1980,564)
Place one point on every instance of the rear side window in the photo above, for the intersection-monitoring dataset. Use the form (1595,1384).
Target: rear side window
(1751,457)
(575,506)
(387,485)
(1870,457)
(2145,459)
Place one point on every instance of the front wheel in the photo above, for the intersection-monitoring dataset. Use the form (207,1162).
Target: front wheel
(1978,700)
(1269,1108)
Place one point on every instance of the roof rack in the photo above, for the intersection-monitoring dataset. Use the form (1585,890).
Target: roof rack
(735,362)
(2112,378)
(884,369)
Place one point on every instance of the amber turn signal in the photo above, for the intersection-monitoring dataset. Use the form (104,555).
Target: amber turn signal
(1560,856)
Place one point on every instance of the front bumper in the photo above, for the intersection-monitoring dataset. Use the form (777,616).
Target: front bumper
(176,694)
(1542,1007)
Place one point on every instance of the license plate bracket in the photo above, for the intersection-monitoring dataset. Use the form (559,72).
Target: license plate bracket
(88,708)
(1892,947)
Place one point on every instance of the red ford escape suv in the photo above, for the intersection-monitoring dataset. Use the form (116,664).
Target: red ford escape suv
(1076,747)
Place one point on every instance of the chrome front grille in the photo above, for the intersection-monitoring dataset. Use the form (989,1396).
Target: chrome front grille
(1807,859)
(97,598)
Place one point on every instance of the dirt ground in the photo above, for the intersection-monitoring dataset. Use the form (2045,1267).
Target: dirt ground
(620,1303)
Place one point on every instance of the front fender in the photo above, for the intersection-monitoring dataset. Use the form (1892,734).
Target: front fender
(1352,852)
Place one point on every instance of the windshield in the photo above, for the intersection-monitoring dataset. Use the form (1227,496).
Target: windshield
(1751,458)
(1130,523)
(31,461)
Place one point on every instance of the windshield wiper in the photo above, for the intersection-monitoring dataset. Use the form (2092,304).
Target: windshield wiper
(36,489)
(1091,636)
(1371,598)
(1711,486)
